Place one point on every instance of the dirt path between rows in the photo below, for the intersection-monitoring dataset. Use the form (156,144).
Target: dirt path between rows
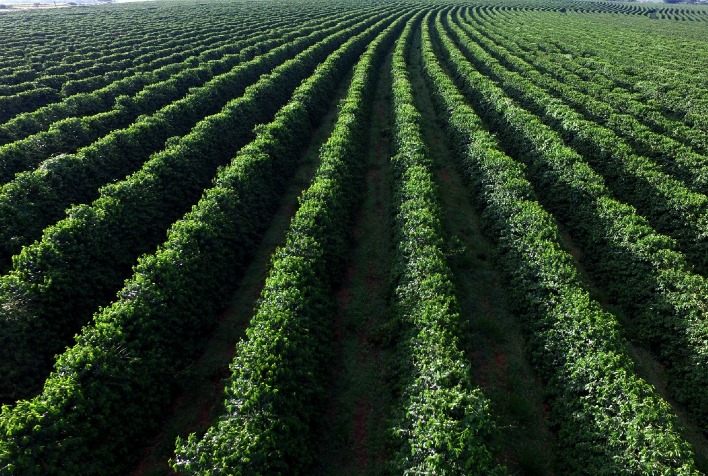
(352,437)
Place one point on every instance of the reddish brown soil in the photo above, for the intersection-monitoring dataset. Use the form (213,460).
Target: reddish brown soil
(361,419)
(141,468)
(344,297)
(351,415)
(445,176)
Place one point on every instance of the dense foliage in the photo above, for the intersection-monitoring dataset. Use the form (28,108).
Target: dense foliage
(273,395)
(90,253)
(642,269)
(446,426)
(577,346)
(145,149)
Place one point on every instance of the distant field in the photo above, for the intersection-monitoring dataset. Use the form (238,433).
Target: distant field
(354,237)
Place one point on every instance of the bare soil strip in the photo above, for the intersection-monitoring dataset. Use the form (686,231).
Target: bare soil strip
(353,433)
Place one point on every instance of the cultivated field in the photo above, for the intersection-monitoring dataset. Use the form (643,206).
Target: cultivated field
(354,237)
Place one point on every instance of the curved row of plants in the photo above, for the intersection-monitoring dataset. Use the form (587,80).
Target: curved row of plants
(608,420)
(673,13)
(108,392)
(276,386)
(66,126)
(56,284)
(51,40)
(48,41)
(640,122)
(204,63)
(179,48)
(44,57)
(601,99)
(176,46)
(93,100)
(668,204)
(60,82)
(68,64)
(38,198)
(444,423)
(199,65)
(669,78)
(11,106)
(639,268)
